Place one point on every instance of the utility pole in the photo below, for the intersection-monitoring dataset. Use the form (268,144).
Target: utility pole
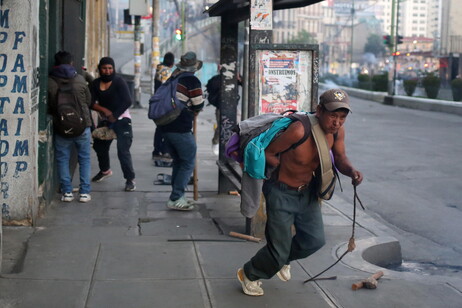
(155,54)
(183,27)
(394,39)
(137,54)
(391,74)
(351,43)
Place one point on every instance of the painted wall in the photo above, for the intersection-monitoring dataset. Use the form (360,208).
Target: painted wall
(19,99)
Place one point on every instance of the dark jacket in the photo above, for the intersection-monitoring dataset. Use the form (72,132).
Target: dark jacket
(189,93)
(116,98)
(66,72)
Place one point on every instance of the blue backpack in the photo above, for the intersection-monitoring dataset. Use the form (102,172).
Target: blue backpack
(164,106)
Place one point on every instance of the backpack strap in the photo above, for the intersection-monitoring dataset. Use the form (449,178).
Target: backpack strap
(326,168)
(303,118)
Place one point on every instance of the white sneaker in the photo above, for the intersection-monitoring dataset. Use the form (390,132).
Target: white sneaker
(180,205)
(284,273)
(252,288)
(84,198)
(67,197)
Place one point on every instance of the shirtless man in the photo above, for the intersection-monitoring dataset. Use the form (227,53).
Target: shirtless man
(291,196)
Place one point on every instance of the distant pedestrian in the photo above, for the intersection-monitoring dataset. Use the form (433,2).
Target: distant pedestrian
(213,88)
(291,194)
(178,135)
(111,98)
(163,72)
(64,73)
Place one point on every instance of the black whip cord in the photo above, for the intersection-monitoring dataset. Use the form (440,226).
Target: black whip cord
(351,242)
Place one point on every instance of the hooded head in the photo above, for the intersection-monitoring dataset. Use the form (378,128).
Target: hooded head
(63,65)
(104,62)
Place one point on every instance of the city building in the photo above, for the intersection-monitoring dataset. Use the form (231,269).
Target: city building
(31,32)
(450,48)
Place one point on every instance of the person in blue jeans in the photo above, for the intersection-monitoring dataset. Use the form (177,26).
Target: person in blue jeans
(178,135)
(63,72)
(111,98)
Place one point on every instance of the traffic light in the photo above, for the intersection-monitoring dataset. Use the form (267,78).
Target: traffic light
(399,39)
(387,40)
(178,34)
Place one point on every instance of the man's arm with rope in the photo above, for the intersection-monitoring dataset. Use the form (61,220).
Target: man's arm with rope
(342,162)
(344,165)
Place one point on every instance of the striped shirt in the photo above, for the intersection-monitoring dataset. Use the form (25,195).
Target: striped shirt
(188,92)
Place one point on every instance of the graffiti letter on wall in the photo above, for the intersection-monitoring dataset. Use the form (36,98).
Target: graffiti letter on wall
(3,80)
(2,103)
(19,63)
(3,169)
(18,127)
(21,148)
(3,66)
(4,189)
(4,18)
(19,106)
(18,39)
(20,83)
(4,148)
(6,211)
(21,166)
(4,127)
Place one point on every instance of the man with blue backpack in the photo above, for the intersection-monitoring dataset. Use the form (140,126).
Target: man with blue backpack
(178,136)
(292,192)
(163,72)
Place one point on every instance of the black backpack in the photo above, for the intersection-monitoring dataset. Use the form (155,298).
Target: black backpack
(213,89)
(68,121)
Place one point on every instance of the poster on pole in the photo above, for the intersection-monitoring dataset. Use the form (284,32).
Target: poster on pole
(261,14)
(286,77)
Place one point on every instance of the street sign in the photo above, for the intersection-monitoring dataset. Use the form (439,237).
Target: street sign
(139,7)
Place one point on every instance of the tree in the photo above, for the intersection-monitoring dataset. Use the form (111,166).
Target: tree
(303,37)
(375,45)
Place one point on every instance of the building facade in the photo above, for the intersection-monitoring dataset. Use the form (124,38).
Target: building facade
(31,32)
(450,49)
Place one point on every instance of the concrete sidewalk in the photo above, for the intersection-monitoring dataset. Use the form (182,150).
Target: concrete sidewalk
(126,249)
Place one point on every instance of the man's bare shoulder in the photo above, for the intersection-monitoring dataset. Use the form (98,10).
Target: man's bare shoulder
(296,129)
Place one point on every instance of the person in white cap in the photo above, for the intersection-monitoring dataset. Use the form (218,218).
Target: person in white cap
(291,194)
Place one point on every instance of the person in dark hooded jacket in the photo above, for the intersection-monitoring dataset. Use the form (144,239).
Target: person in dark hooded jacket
(111,98)
(63,71)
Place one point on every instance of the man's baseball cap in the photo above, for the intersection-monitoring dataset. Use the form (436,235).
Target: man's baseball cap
(334,99)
